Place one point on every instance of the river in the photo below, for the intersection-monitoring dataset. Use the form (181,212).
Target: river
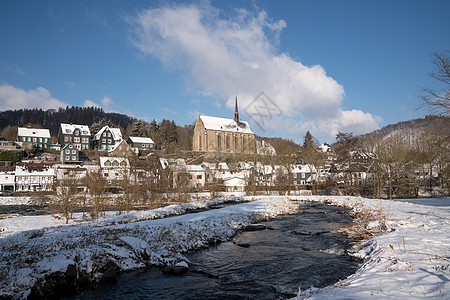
(300,250)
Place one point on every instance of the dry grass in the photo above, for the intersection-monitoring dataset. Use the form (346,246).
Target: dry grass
(366,224)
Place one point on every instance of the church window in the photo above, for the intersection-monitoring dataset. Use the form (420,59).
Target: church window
(219,141)
(227,141)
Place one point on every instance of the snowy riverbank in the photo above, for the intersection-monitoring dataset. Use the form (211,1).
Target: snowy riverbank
(409,262)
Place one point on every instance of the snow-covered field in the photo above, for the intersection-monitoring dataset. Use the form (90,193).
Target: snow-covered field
(411,261)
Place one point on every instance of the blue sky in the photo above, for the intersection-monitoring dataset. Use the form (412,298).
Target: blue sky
(325,66)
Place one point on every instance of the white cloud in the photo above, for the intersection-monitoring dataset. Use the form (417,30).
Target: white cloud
(17,98)
(223,55)
(90,103)
(107,104)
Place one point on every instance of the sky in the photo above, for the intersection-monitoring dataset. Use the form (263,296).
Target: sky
(322,66)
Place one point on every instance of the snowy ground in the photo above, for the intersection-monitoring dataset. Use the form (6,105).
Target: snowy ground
(411,261)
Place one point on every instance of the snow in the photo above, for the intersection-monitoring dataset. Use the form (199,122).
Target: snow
(410,261)
(143,140)
(33,132)
(222,124)
(70,128)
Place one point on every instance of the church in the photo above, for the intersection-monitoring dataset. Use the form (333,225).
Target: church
(213,134)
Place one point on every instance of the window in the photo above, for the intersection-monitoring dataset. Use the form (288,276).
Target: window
(109,141)
(66,139)
(34,139)
(219,141)
(109,134)
(227,141)
(76,139)
(74,158)
(235,142)
(103,141)
(104,134)
(74,151)
(67,157)
(244,144)
(67,151)
(199,176)
(200,142)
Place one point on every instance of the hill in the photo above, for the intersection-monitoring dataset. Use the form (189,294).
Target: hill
(51,119)
(409,132)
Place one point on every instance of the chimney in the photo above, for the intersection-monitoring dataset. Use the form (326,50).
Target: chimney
(236,113)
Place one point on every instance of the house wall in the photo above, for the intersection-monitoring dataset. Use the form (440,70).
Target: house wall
(7,181)
(70,154)
(208,140)
(28,141)
(106,141)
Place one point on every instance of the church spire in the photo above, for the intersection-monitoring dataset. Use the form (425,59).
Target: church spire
(236,113)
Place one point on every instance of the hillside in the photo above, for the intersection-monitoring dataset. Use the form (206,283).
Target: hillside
(409,132)
(51,119)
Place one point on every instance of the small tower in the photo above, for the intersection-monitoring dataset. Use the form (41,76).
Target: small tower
(236,113)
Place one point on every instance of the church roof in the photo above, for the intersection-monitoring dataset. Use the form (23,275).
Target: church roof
(222,124)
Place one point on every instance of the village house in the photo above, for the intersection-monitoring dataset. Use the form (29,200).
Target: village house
(114,168)
(29,137)
(213,134)
(70,154)
(235,183)
(106,138)
(197,176)
(78,135)
(7,181)
(218,170)
(141,143)
(34,177)
(303,174)
(121,149)
(7,145)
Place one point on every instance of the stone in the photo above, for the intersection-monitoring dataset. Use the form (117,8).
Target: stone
(110,274)
(253,227)
(178,269)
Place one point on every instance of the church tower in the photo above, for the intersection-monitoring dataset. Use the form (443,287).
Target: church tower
(236,113)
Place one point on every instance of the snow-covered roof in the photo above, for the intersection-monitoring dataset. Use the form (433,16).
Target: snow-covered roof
(22,170)
(194,168)
(142,140)
(222,124)
(216,166)
(302,168)
(69,129)
(116,133)
(42,133)
(325,147)
(111,162)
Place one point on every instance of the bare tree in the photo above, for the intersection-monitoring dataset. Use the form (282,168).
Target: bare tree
(438,99)
(66,198)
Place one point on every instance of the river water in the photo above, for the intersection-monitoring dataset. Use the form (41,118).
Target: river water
(300,250)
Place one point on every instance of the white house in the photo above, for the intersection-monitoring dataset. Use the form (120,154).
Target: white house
(114,168)
(7,181)
(235,183)
(34,177)
(28,137)
(197,176)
